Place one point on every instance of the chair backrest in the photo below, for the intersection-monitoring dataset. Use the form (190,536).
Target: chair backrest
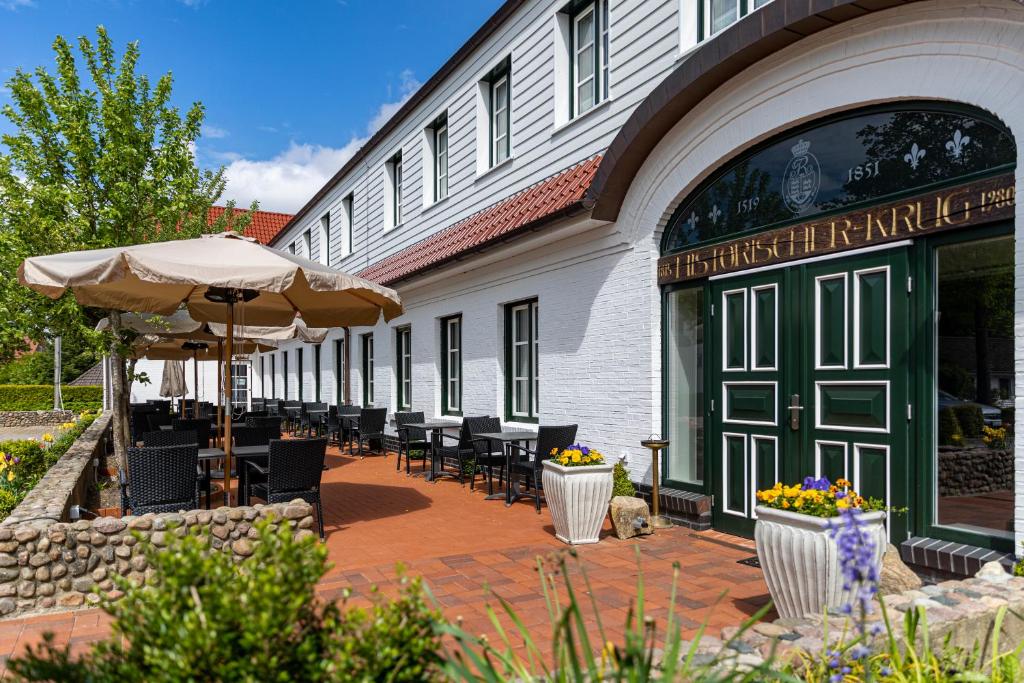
(371,420)
(271,423)
(254,436)
(163,474)
(551,437)
(349,410)
(295,464)
(201,427)
(482,425)
(155,420)
(167,437)
(412,433)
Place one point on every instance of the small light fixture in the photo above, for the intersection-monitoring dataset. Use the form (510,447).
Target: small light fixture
(656,444)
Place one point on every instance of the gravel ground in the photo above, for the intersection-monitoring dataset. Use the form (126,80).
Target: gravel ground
(20,433)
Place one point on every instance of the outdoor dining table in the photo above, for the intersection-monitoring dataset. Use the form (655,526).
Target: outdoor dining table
(511,493)
(436,428)
(316,417)
(242,454)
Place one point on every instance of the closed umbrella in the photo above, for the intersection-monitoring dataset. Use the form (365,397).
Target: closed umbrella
(219,278)
(172,380)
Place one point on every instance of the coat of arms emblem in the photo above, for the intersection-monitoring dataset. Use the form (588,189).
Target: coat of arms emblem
(802,178)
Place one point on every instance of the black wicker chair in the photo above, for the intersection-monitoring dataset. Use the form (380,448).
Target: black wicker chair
(369,429)
(410,439)
(292,471)
(138,421)
(160,479)
(253,436)
(461,450)
(166,437)
(271,423)
(487,454)
(309,418)
(346,422)
(530,463)
(272,406)
(201,427)
(156,419)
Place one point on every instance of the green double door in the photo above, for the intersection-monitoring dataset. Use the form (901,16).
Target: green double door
(809,370)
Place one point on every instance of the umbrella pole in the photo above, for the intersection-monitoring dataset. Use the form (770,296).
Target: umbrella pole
(195,384)
(227,383)
(220,392)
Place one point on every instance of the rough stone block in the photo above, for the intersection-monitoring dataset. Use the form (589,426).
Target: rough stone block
(630,517)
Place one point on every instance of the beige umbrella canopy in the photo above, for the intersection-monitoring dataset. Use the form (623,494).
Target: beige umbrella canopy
(158,277)
(297,330)
(218,278)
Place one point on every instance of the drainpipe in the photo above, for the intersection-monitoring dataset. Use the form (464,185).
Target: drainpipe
(346,381)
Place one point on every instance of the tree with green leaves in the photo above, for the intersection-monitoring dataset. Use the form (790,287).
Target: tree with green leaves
(100,157)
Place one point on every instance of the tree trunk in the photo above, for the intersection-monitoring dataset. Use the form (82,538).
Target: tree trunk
(120,393)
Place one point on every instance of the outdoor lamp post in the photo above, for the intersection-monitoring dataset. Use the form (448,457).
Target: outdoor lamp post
(656,444)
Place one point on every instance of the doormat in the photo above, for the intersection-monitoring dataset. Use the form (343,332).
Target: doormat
(750,562)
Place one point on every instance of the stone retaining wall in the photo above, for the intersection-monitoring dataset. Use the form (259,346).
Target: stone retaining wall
(34,418)
(62,565)
(965,611)
(66,483)
(969,471)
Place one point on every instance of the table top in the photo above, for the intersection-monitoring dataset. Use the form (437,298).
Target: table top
(237,452)
(507,436)
(166,428)
(432,425)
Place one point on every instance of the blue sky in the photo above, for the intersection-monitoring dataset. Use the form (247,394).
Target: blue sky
(291,88)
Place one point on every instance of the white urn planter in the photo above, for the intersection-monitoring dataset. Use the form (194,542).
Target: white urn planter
(578,499)
(800,559)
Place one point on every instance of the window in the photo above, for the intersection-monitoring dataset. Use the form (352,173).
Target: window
(339,372)
(240,386)
(291,248)
(316,373)
(325,239)
(441,158)
(521,361)
(403,367)
(273,375)
(716,15)
(684,348)
(263,376)
(284,374)
(588,64)
(494,126)
(346,226)
(300,372)
(974,387)
(307,245)
(368,369)
(451,365)
(393,177)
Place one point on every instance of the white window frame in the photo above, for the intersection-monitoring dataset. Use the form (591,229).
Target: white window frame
(453,365)
(500,141)
(368,398)
(240,370)
(346,227)
(441,160)
(397,190)
(577,49)
(324,254)
(307,244)
(403,368)
(531,341)
(291,248)
(743,8)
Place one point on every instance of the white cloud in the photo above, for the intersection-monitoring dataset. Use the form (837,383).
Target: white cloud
(16,4)
(287,181)
(213,132)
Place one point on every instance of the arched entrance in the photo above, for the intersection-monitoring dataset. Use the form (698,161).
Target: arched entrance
(830,301)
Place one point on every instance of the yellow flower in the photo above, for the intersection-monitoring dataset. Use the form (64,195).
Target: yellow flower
(576,456)
(10,476)
(48,437)
(843,503)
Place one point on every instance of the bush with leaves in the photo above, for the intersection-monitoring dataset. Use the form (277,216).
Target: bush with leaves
(622,485)
(205,616)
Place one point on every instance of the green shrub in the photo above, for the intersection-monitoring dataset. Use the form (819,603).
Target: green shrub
(622,485)
(949,428)
(40,397)
(205,616)
(970,418)
(1007,416)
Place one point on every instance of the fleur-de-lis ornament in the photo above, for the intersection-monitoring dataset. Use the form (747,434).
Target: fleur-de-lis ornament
(714,214)
(957,144)
(914,156)
(694,218)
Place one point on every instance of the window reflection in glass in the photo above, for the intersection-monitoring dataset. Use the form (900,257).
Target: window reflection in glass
(975,386)
(723,13)
(685,385)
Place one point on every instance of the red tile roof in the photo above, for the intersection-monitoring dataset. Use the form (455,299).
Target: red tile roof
(528,209)
(264,226)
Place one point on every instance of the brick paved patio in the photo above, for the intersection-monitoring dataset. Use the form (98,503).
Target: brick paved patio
(466,547)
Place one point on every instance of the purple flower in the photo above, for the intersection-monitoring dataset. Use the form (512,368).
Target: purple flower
(822,484)
(585,451)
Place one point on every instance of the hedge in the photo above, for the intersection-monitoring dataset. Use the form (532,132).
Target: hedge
(40,397)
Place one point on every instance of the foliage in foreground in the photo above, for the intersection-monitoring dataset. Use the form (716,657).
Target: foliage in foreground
(40,397)
(208,617)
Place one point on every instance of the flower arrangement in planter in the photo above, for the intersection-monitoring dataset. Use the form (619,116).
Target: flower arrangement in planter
(796,533)
(581,475)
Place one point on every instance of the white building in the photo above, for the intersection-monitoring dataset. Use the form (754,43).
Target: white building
(588,195)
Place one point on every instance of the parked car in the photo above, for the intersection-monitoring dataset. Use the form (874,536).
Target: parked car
(992,416)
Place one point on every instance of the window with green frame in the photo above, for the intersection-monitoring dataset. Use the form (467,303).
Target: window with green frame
(300,374)
(273,375)
(588,54)
(403,367)
(316,373)
(451,365)
(263,376)
(522,381)
(368,369)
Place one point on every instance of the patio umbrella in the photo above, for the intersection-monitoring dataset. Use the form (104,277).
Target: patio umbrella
(172,380)
(218,277)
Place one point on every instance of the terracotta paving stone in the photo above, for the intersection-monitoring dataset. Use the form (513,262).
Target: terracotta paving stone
(469,550)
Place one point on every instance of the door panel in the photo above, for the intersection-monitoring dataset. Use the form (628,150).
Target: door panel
(830,402)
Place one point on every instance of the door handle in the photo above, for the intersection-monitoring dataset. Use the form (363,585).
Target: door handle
(794,411)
